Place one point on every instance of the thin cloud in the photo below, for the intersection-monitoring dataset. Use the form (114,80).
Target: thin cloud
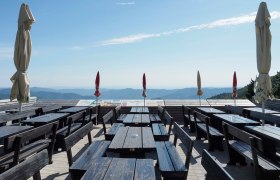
(77,48)
(243,19)
(125,3)
(6,53)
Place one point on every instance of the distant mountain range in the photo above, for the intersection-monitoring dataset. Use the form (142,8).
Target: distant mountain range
(116,94)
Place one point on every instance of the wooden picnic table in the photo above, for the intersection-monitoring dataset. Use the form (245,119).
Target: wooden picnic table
(6,131)
(120,168)
(248,110)
(270,135)
(73,110)
(139,110)
(137,120)
(47,118)
(135,141)
(235,120)
(209,110)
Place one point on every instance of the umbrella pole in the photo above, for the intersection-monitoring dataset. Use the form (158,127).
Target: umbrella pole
(199,101)
(234,99)
(20,110)
(144,101)
(96,110)
(263,111)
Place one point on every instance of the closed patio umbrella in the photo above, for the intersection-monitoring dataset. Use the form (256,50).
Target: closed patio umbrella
(199,90)
(22,52)
(144,94)
(97,92)
(234,87)
(263,86)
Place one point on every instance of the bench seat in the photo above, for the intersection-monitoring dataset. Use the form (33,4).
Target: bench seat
(154,118)
(110,134)
(96,149)
(160,132)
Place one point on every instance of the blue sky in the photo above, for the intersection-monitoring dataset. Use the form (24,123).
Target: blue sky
(169,40)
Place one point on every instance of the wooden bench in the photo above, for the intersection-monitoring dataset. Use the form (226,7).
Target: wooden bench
(109,135)
(247,146)
(169,160)
(28,168)
(235,110)
(203,129)
(119,117)
(75,137)
(213,167)
(156,118)
(74,122)
(188,118)
(159,129)
(16,117)
(34,140)
(47,109)
(93,114)
(96,149)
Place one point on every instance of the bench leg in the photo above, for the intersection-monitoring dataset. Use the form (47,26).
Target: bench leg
(192,127)
(215,143)
(198,134)
(37,176)
(89,138)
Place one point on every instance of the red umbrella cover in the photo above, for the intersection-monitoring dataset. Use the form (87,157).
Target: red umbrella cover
(97,81)
(234,86)
(144,94)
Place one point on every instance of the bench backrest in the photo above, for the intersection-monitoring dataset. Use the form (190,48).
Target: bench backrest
(117,112)
(94,110)
(230,130)
(14,143)
(160,111)
(80,116)
(75,137)
(106,118)
(213,168)
(202,118)
(186,140)
(47,109)
(234,110)
(17,116)
(168,119)
(28,168)
(266,117)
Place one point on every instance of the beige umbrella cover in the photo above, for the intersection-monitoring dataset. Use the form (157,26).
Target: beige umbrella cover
(263,86)
(22,52)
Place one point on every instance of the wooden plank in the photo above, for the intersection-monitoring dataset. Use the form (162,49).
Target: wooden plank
(165,163)
(177,162)
(145,118)
(133,139)
(128,118)
(144,170)
(156,129)
(137,119)
(119,138)
(98,168)
(147,138)
(269,132)
(121,168)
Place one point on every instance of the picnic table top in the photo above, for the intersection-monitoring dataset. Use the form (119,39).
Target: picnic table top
(133,139)
(74,109)
(210,110)
(120,168)
(235,119)
(266,131)
(259,109)
(139,109)
(25,108)
(136,119)
(6,131)
(46,118)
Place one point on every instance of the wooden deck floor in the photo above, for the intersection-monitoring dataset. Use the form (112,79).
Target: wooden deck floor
(59,168)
